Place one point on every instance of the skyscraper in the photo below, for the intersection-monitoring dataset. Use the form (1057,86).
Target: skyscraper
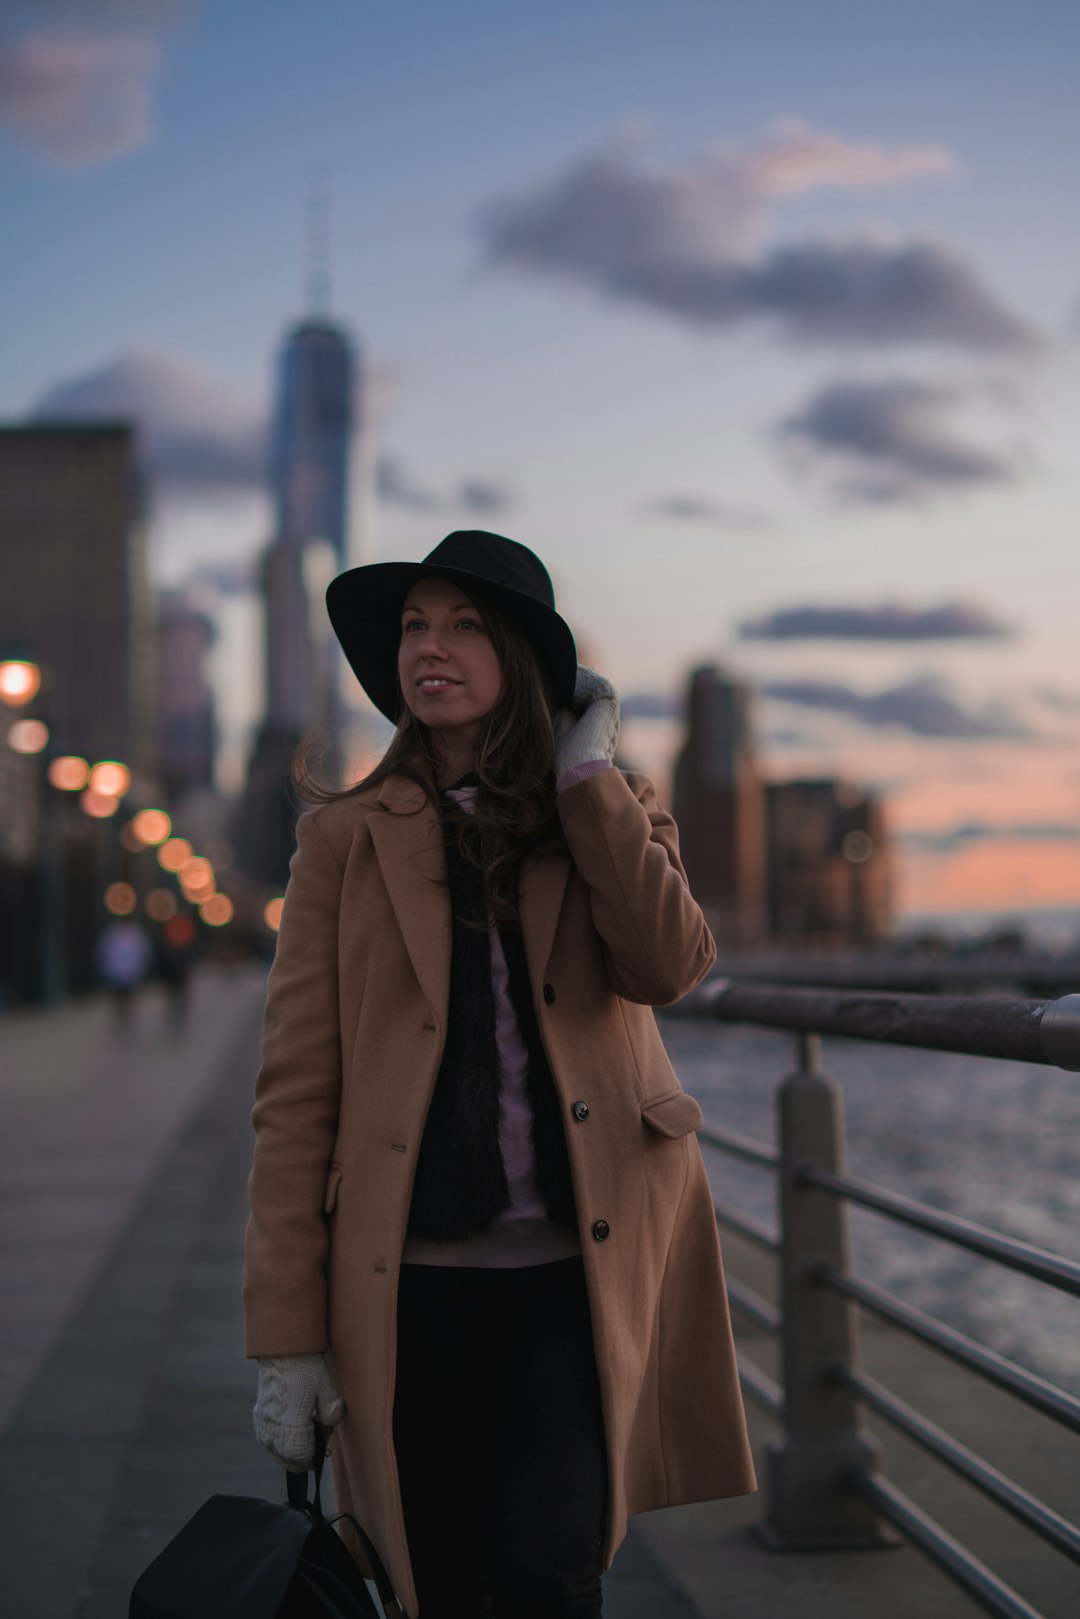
(76,595)
(187,729)
(720,808)
(75,599)
(313,430)
(311,459)
(310,474)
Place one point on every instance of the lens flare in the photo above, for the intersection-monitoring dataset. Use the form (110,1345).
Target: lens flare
(857,847)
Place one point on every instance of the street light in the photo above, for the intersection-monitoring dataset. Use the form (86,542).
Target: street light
(68,773)
(20,682)
(28,736)
(110,778)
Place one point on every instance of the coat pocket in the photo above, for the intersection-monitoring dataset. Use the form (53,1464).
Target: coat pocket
(674,1115)
(333,1181)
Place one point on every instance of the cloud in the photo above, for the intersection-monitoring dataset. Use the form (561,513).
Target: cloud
(200,440)
(95,14)
(980,832)
(1063,702)
(394,485)
(889,442)
(922,706)
(953,621)
(79,100)
(713,513)
(484,498)
(481,496)
(78,77)
(197,437)
(648,705)
(686,242)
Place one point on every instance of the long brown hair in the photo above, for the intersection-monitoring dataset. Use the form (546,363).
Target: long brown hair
(514,810)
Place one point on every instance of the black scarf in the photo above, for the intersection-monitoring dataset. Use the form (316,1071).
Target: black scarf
(461,1186)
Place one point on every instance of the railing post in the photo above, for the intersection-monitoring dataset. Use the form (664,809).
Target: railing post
(824,1436)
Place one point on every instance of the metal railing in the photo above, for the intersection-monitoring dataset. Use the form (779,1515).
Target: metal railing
(825,1481)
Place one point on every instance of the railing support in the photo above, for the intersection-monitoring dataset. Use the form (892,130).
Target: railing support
(824,1440)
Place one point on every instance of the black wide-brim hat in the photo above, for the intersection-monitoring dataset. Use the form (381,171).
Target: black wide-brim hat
(365,609)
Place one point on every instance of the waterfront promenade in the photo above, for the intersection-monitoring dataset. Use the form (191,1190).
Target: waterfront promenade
(125,1398)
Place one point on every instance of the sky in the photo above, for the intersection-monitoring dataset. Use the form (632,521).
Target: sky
(761,324)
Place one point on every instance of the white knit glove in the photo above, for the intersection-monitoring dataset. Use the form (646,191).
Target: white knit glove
(590,730)
(293,1391)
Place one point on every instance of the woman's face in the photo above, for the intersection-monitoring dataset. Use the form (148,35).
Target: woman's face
(449,672)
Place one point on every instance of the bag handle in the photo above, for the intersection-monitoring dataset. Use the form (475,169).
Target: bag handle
(296,1484)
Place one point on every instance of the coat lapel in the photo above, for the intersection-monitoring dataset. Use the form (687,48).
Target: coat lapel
(543,885)
(408,844)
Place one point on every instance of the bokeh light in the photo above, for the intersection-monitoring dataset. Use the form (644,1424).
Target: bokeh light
(161,905)
(173,852)
(28,736)
(857,847)
(98,805)
(69,773)
(111,778)
(272,913)
(197,875)
(19,682)
(180,930)
(217,910)
(120,899)
(152,826)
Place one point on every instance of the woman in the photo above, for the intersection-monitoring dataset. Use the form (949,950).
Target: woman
(478,1206)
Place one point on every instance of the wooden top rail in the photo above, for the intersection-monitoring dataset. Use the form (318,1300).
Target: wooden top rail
(981,1026)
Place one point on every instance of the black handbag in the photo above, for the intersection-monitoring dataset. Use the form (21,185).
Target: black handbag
(240,1557)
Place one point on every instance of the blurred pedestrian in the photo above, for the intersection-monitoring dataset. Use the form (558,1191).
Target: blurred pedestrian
(176,949)
(482,1241)
(125,956)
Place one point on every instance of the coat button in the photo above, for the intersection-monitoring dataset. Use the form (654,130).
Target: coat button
(549,994)
(581,1110)
(601,1230)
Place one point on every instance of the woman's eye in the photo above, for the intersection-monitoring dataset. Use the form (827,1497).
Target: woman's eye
(412,624)
(469,623)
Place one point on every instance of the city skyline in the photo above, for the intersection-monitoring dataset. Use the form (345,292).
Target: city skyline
(785,305)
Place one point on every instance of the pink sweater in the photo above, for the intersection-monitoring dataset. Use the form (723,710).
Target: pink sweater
(523,1234)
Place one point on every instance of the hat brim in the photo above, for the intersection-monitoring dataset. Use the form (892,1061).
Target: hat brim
(365,603)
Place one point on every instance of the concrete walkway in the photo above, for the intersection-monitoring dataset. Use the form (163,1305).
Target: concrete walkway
(125,1397)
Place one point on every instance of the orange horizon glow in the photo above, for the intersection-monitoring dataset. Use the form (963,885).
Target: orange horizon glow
(995,874)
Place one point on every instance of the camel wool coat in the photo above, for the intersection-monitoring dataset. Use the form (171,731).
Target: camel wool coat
(353,1036)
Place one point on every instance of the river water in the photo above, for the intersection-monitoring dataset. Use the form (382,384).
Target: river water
(993,1141)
